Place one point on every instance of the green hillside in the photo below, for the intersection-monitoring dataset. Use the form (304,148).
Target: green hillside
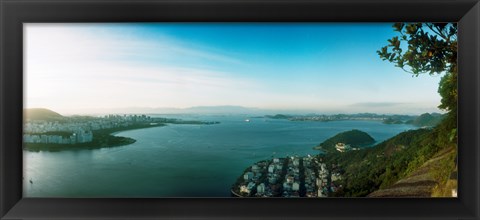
(432,179)
(355,138)
(278,116)
(428,120)
(42,114)
(382,165)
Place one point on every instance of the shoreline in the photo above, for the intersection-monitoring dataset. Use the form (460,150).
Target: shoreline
(105,138)
(137,128)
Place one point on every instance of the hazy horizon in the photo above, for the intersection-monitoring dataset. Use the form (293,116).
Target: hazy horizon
(323,68)
(224,109)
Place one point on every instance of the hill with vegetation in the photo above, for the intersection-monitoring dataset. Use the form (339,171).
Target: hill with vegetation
(278,116)
(433,178)
(423,120)
(418,162)
(383,165)
(426,120)
(392,120)
(42,114)
(354,138)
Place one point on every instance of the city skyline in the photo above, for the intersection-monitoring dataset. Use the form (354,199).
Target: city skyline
(316,68)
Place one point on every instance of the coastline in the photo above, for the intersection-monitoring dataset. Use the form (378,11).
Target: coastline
(104,138)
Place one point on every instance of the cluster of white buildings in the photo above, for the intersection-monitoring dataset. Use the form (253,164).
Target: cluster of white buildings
(263,179)
(275,174)
(79,136)
(322,180)
(291,184)
(75,129)
(337,118)
(282,177)
(310,164)
(342,147)
(252,180)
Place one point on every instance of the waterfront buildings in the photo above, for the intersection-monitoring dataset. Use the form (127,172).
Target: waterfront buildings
(74,130)
(342,147)
(288,177)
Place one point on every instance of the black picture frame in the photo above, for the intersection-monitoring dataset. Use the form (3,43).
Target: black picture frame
(15,12)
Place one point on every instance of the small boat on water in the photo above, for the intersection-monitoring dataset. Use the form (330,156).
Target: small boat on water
(247,120)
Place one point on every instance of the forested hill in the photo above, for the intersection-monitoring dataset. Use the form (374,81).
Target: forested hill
(428,120)
(433,178)
(423,120)
(42,114)
(355,138)
(382,165)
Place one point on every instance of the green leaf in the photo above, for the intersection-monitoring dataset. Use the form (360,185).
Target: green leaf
(398,26)
(453,134)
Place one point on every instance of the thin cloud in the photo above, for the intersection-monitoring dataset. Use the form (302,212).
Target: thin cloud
(66,43)
(70,68)
(90,66)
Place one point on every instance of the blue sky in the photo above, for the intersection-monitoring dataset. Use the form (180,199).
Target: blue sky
(305,67)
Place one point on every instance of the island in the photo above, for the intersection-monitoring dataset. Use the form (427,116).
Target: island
(423,120)
(338,117)
(345,141)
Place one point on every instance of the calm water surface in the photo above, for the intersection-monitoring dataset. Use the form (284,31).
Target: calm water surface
(181,160)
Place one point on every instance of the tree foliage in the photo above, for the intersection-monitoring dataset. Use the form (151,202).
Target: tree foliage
(428,48)
(431,48)
(419,48)
(382,165)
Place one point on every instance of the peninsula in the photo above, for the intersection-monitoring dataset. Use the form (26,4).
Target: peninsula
(410,164)
(47,130)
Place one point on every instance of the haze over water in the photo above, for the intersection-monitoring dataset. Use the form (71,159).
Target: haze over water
(182,160)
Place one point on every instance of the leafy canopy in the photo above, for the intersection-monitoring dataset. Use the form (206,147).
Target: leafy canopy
(430,48)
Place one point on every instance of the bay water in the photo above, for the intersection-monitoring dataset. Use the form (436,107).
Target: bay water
(182,160)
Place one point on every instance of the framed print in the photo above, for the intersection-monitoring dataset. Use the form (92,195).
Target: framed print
(204,123)
(209,109)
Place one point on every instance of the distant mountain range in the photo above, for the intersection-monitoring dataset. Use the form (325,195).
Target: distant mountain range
(427,119)
(422,120)
(221,109)
(225,109)
(46,114)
